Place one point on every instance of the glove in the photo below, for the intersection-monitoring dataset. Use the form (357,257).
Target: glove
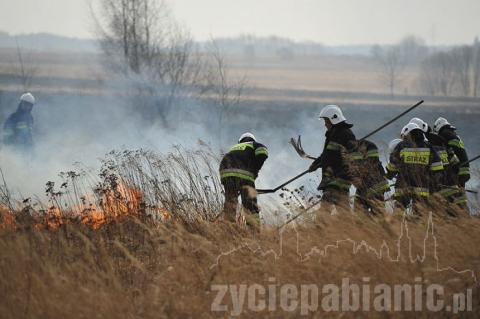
(462,180)
(315,165)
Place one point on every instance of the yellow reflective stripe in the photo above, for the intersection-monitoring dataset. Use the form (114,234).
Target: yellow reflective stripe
(373,153)
(332,146)
(22,125)
(464,171)
(437,166)
(420,191)
(261,151)
(248,178)
(240,173)
(237,170)
(460,200)
(419,156)
(447,192)
(392,168)
(241,147)
(340,183)
(456,143)
(356,156)
(379,188)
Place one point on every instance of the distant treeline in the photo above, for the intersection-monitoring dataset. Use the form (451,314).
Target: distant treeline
(443,71)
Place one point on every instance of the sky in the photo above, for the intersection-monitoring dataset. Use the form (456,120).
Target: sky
(332,22)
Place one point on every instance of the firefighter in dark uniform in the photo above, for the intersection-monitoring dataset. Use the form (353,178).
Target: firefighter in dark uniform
(455,144)
(17,129)
(369,176)
(238,170)
(334,160)
(414,164)
(445,183)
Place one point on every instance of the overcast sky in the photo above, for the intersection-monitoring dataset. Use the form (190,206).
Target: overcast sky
(326,21)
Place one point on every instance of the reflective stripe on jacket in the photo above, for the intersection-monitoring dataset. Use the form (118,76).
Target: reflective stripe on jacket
(415,164)
(244,161)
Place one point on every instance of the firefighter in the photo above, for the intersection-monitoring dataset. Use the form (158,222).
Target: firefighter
(17,130)
(446,182)
(369,176)
(448,132)
(413,163)
(339,142)
(238,170)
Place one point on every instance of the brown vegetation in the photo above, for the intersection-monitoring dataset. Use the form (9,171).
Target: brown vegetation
(131,262)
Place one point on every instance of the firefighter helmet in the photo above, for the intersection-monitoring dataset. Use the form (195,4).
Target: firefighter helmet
(333,113)
(407,129)
(440,123)
(246,135)
(27,97)
(421,123)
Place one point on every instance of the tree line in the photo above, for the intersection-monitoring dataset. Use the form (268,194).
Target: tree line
(452,71)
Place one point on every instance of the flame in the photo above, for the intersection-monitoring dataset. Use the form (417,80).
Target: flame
(7,219)
(113,204)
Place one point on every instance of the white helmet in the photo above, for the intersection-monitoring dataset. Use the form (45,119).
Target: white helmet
(27,97)
(439,123)
(421,123)
(410,127)
(245,135)
(333,113)
(393,144)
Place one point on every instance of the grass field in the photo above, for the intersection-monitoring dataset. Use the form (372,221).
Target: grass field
(137,268)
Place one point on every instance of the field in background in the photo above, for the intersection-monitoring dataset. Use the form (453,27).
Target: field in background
(58,72)
(320,79)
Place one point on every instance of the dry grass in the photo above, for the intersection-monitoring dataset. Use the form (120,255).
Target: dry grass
(140,269)
(134,264)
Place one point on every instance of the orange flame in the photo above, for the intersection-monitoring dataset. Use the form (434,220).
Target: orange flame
(124,201)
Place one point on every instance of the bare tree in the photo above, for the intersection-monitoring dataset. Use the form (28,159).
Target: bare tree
(437,74)
(476,68)
(462,63)
(26,68)
(142,42)
(392,64)
(226,91)
(413,49)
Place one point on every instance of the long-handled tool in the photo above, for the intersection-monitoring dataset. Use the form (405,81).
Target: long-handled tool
(267,191)
(297,145)
(470,160)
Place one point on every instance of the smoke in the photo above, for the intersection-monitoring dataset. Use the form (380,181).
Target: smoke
(71,128)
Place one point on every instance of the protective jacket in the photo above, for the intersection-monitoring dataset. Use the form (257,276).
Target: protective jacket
(455,144)
(243,161)
(17,129)
(369,174)
(414,163)
(446,182)
(334,160)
